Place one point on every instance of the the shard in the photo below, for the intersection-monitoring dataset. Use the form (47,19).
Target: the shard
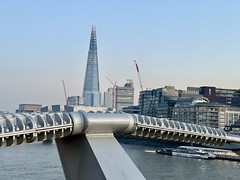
(91,92)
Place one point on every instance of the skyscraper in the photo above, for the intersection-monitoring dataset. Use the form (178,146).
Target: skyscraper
(91,92)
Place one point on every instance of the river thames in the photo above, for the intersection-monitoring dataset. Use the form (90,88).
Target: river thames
(39,161)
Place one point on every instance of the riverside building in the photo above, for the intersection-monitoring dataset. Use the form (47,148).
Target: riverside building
(225,96)
(158,102)
(200,111)
(192,105)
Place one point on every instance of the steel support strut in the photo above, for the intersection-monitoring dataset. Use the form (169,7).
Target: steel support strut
(95,157)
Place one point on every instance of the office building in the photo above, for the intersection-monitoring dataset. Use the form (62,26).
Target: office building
(131,109)
(158,102)
(203,112)
(119,97)
(108,100)
(225,96)
(124,95)
(190,92)
(232,115)
(75,100)
(209,106)
(29,108)
(67,108)
(91,90)
(199,111)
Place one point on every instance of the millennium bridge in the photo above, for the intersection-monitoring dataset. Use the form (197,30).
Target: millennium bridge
(86,143)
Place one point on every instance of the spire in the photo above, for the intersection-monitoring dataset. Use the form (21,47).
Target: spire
(93,28)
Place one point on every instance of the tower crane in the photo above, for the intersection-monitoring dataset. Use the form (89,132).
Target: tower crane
(65,93)
(113,93)
(114,84)
(139,76)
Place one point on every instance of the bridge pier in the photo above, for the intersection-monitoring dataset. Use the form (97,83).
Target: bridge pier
(95,156)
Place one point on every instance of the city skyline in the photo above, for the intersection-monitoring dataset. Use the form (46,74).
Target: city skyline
(175,43)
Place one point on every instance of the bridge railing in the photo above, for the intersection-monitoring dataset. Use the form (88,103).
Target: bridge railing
(16,129)
(164,129)
(20,128)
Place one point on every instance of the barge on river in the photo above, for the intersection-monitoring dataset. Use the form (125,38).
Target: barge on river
(200,153)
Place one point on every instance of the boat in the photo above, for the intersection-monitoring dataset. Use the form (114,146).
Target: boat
(192,152)
(224,154)
(187,151)
(166,151)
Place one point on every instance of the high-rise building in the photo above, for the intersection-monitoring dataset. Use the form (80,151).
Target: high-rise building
(119,97)
(124,96)
(91,92)
(158,102)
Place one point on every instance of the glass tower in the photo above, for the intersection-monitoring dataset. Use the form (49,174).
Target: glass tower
(91,90)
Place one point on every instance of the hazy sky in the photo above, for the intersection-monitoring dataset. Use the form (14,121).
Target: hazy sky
(179,43)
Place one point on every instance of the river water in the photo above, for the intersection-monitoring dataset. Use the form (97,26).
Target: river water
(39,161)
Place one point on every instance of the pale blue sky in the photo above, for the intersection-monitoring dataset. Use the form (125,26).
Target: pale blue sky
(179,43)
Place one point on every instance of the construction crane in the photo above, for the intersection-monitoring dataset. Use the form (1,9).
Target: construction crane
(139,76)
(65,93)
(113,92)
(114,84)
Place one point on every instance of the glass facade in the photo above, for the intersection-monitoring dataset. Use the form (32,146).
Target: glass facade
(158,102)
(225,96)
(75,100)
(232,115)
(91,91)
